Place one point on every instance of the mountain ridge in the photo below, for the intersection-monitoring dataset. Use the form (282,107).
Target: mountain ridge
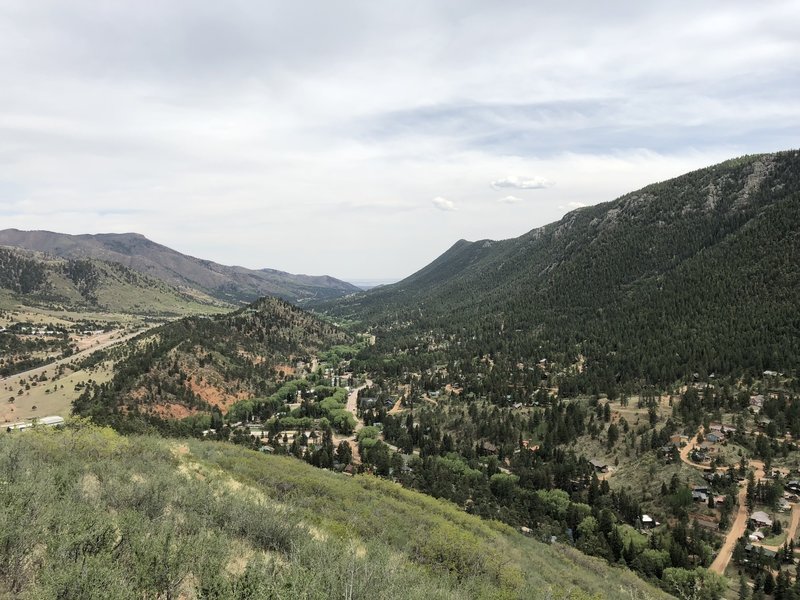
(229,283)
(35,279)
(650,257)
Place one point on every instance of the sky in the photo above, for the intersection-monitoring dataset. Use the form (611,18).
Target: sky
(361,139)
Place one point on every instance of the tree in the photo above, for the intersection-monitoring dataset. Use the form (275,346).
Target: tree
(344,453)
(613,435)
(744,588)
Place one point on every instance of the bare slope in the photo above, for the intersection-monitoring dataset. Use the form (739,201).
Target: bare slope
(136,252)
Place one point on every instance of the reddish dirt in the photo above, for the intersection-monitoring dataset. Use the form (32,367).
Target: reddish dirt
(172,411)
(214,395)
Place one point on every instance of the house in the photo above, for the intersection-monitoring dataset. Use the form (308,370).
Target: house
(765,552)
(793,486)
(599,466)
(489,448)
(679,439)
(756,536)
(667,450)
(714,437)
(760,519)
(649,522)
(707,448)
(699,496)
(756,404)
(763,421)
(368,402)
(720,428)
(44,421)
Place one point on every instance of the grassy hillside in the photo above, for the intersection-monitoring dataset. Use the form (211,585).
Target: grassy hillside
(192,365)
(82,284)
(136,252)
(696,274)
(90,514)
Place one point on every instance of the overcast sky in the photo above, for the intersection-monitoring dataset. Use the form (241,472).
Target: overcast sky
(363,138)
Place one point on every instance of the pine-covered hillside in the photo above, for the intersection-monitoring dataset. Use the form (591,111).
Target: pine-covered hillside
(136,252)
(196,364)
(698,274)
(84,284)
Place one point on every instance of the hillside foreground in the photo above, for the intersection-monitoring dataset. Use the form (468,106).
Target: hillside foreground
(92,514)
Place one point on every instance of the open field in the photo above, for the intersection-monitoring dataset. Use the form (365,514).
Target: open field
(54,395)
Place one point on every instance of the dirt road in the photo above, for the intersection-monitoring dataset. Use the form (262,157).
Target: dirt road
(684,452)
(740,522)
(107,342)
(352,407)
(17,411)
(352,404)
(737,530)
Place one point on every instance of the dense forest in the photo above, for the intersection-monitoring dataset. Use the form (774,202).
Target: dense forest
(696,275)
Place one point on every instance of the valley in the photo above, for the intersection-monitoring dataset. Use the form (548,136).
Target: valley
(637,416)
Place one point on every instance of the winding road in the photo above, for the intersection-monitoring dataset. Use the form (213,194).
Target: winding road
(740,522)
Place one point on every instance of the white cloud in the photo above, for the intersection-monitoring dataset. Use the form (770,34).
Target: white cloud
(521,183)
(510,200)
(229,138)
(444,204)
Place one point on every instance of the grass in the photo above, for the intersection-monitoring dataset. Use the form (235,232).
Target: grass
(775,540)
(43,396)
(97,510)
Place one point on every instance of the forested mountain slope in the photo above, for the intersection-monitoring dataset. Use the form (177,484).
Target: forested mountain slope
(87,284)
(233,284)
(696,274)
(90,514)
(196,364)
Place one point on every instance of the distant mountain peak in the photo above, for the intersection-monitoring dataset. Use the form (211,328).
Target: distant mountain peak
(137,252)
